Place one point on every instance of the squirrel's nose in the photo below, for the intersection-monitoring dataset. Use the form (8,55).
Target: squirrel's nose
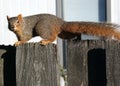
(11,28)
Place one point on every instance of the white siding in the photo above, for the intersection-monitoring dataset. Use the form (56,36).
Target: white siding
(113,11)
(25,7)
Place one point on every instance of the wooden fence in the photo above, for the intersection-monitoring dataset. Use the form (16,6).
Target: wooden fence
(93,63)
(89,63)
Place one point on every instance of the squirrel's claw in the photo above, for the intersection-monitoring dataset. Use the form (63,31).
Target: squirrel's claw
(44,42)
(17,43)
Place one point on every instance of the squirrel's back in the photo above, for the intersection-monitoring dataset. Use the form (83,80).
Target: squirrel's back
(45,19)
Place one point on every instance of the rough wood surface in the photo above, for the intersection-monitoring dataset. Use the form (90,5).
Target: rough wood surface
(113,63)
(37,65)
(77,64)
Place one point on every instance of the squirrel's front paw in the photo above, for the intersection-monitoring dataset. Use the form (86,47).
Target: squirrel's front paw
(19,43)
(44,42)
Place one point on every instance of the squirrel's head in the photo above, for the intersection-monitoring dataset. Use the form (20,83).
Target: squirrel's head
(15,23)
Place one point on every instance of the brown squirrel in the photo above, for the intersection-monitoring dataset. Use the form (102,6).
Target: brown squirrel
(49,27)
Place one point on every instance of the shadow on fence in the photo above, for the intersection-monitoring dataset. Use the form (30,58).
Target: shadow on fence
(9,65)
(97,67)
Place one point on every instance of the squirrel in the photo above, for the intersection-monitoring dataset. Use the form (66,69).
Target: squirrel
(49,27)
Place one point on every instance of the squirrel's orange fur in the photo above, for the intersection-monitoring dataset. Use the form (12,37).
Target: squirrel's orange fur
(49,27)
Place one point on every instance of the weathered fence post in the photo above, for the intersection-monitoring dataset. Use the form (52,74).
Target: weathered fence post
(77,64)
(37,65)
(113,63)
(93,63)
(1,67)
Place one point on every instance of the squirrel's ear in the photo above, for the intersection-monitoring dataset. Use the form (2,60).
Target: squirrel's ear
(20,17)
(8,17)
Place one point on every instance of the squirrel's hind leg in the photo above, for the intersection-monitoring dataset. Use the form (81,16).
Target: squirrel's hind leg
(47,41)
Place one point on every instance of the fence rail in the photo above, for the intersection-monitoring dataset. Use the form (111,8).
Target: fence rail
(89,63)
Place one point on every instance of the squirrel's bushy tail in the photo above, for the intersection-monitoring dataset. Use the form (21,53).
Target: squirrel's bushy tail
(95,29)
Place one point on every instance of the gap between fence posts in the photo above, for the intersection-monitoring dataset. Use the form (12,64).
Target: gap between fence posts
(7,66)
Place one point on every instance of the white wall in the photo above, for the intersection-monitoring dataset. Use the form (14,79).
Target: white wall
(81,10)
(25,7)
